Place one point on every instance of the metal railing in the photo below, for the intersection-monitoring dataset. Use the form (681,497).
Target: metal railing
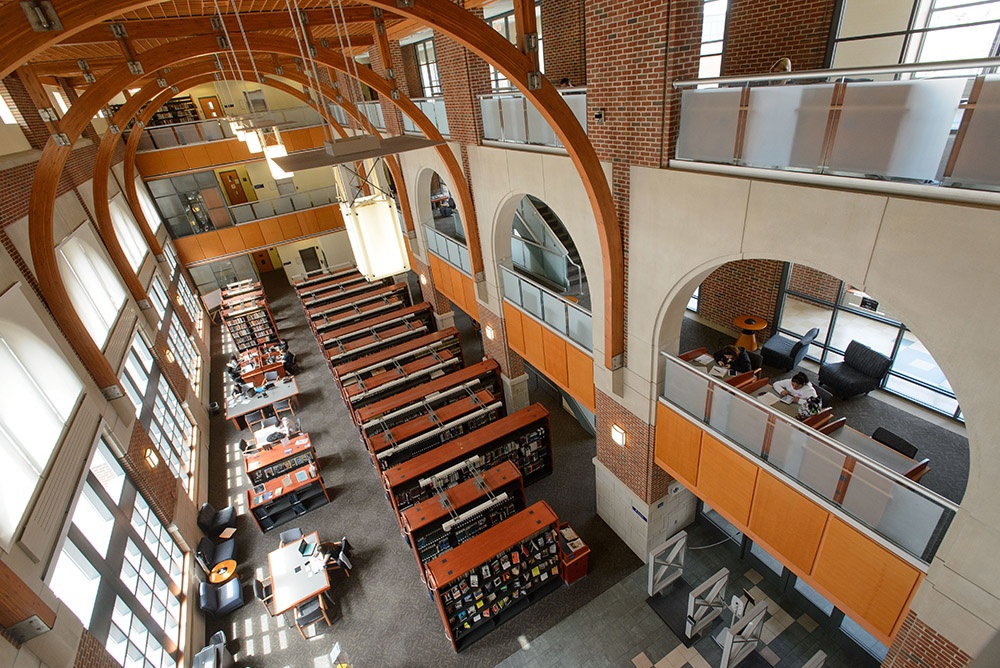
(433,108)
(909,516)
(553,264)
(448,249)
(373,112)
(196,132)
(572,321)
(875,122)
(509,117)
(276,206)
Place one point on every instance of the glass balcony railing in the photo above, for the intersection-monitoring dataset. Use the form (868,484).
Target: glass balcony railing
(197,132)
(433,108)
(448,249)
(277,206)
(570,320)
(373,112)
(511,118)
(909,123)
(910,516)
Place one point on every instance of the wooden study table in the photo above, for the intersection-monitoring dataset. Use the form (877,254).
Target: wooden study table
(256,362)
(294,578)
(237,407)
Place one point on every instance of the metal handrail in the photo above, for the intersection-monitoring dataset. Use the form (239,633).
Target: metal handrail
(514,92)
(579,269)
(845,72)
(297,192)
(507,264)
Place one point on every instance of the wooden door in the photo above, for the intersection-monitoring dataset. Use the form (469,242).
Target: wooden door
(210,107)
(263,261)
(234,189)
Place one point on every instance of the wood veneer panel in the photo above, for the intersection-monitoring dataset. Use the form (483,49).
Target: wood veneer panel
(145,164)
(865,578)
(18,601)
(532,341)
(308,222)
(218,152)
(173,160)
(270,228)
(290,226)
(231,240)
(726,480)
(469,287)
(252,236)
(580,369)
(554,348)
(677,446)
(787,521)
(197,156)
(188,250)
(329,217)
(211,244)
(515,334)
(442,278)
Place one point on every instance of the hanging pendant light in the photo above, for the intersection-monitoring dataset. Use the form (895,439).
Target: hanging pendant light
(376,237)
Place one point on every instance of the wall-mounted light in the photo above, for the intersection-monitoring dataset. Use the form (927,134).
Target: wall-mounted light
(618,435)
(423,279)
(152,460)
(169,354)
(490,334)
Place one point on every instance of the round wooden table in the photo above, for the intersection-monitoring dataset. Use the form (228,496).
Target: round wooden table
(222,571)
(749,325)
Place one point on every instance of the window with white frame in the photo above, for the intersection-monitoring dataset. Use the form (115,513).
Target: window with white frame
(713,35)
(93,287)
(149,209)
(172,430)
(129,594)
(37,397)
(185,353)
(191,304)
(168,254)
(505,25)
(430,81)
(158,295)
(136,371)
(6,115)
(127,231)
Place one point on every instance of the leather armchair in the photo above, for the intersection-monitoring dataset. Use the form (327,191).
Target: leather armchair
(217,523)
(861,371)
(222,600)
(786,353)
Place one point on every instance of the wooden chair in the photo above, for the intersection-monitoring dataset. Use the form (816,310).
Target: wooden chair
(755,385)
(283,406)
(833,426)
(820,419)
(691,354)
(342,561)
(310,612)
(255,420)
(919,470)
(741,379)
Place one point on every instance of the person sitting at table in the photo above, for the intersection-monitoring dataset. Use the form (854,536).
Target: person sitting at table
(733,358)
(288,361)
(797,386)
(233,369)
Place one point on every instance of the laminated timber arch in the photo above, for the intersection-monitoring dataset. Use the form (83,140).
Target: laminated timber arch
(446,17)
(53,159)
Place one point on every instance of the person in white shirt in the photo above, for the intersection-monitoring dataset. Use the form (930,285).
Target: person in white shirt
(798,386)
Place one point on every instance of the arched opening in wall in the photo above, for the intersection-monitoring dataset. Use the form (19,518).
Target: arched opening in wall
(444,214)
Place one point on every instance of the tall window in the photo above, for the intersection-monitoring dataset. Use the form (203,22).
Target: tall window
(37,396)
(127,231)
(917,31)
(430,82)
(168,253)
(158,296)
(713,35)
(119,570)
(149,210)
(136,371)
(185,352)
(504,24)
(191,304)
(93,286)
(6,115)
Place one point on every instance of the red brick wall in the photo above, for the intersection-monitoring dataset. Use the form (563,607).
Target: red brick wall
(632,464)
(91,653)
(743,287)
(438,301)
(158,485)
(464,75)
(408,71)
(813,282)
(173,372)
(564,42)
(919,646)
(759,33)
(391,114)
(23,107)
(511,364)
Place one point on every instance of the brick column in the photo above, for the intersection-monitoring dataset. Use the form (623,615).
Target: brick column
(91,653)
(408,73)
(563,41)
(390,112)
(16,95)
(438,302)
(919,646)
(511,364)
(157,485)
(758,34)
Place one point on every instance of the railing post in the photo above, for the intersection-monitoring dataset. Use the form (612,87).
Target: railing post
(963,128)
(833,119)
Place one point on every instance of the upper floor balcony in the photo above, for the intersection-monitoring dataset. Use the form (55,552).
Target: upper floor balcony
(510,118)
(156,137)
(927,124)
(433,108)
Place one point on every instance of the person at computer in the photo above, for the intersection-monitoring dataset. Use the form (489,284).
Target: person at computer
(288,361)
(233,369)
(797,387)
(735,359)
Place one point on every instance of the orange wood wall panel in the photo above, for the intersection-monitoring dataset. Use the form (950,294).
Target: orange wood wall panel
(144,163)
(863,576)
(238,151)
(317,136)
(252,236)
(726,479)
(458,281)
(678,446)
(554,349)
(232,242)
(211,244)
(218,152)
(329,218)
(470,297)
(188,250)
(442,279)
(271,230)
(197,156)
(173,160)
(580,368)
(787,521)
(289,224)
(308,222)
(512,323)
(533,342)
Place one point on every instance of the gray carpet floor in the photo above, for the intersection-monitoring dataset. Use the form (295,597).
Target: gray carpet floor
(948,451)
(384,616)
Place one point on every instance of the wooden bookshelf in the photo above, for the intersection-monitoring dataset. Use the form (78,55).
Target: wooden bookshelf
(412,374)
(374,342)
(321,275)
(175,110)
(405,405)
(523,438)
(274,460)
(330,284)
(493,576)
(488,499)
(284,498)
(346,296)
(419,313)
(362,310)
(337,290)
(251,325)
(321,316)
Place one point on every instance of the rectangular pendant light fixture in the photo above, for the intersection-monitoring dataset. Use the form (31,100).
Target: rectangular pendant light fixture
(376,237)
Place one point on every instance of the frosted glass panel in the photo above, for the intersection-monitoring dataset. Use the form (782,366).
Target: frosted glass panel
(531,299)
(685,387)
(513,119)
(806,459)
(739,418)
(708,124)
(189,134)
(977,160)
(283,205)
(810,126)
(581,328)
(491,118)
(555,312)
(539,131)
(211,131)
(772,127)
(578,105)
(511,287)
(897,128)
(163,137)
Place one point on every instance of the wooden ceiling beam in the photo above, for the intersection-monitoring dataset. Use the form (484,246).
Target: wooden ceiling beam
(60,68)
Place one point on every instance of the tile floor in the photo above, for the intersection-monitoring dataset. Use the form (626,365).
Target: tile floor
(618,628)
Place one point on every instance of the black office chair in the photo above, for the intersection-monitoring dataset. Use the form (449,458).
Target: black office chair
(289,536)
(246,446)
(311,612)
(217,523)
(255,419)
(270,422)
(825,397)
(209,554)
(220,601)
(896,442)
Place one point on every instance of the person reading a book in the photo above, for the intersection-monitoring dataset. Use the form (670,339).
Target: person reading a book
(797,387)
(733,358)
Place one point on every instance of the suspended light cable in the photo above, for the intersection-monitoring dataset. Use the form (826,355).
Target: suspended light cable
(328,132)
(253,62)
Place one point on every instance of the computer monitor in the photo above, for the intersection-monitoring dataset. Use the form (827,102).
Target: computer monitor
(249,391)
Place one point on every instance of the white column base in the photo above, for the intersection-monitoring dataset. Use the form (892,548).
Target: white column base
(444,321)
(515,392)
